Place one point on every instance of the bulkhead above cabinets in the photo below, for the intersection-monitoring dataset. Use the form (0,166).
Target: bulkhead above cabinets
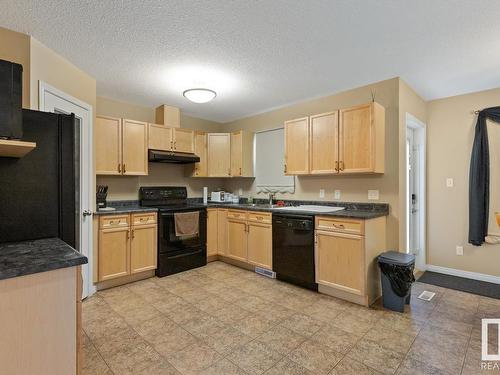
(345,141)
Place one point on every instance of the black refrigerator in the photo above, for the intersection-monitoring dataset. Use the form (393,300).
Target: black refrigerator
(38,194)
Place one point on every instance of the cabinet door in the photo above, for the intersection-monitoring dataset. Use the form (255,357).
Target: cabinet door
(356,135)
(184,140)
(114,251)
(200,149)
(219,154)
(237,239)
(160,138)
(340,261)
(107,141)
(323,143)
(134,148)
(260,245)
(143,248)
(222,232)
(297,146)
(212,231)
(237,154)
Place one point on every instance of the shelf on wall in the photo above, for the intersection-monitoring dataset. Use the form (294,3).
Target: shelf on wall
(15,149)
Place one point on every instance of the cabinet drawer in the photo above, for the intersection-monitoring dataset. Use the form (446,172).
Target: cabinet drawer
(235,214)
(340,225)
(144,218)
(260,217)
(114,221)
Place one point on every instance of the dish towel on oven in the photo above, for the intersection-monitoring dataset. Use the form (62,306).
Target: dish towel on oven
(187,223)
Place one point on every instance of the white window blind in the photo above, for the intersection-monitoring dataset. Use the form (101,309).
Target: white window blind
(269,163)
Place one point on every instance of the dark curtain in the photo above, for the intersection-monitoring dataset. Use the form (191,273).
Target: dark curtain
(479,178)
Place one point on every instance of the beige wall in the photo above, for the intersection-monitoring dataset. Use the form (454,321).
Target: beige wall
(48,66)
(126,187)
(409,102)
(15,47)
(450,133)
(354,188)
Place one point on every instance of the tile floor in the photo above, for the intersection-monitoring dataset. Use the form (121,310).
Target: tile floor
(220,319)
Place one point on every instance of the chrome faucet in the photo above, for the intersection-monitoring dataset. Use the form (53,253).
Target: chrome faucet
(271,198)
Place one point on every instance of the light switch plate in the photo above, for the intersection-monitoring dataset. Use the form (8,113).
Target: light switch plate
(373,194)
(460,250)
(321,193)
(449,182)
(336,194)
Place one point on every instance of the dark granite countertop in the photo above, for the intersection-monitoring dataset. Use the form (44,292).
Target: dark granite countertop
(35,256)
(125,207)
(352,210)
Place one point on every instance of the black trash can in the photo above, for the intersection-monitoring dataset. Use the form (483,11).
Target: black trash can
(396,270)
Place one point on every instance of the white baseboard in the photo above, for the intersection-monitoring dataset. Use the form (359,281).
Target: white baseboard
(466,274)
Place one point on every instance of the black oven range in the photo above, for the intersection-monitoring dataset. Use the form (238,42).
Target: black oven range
(175,253)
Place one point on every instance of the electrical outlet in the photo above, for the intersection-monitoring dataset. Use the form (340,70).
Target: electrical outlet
(460,250)
(373,194)
(449,182)
(321,193)
(240,192)
(336,194)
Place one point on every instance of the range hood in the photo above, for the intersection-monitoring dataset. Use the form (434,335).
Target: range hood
(157,156)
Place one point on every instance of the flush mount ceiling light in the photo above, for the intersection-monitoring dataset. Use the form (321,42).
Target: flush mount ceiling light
(199,95)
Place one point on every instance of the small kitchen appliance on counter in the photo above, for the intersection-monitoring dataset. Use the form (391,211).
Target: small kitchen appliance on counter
(218,196)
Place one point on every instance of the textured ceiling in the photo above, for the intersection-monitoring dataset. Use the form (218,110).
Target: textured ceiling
(260,55)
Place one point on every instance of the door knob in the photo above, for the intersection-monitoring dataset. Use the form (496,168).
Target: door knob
(86,213)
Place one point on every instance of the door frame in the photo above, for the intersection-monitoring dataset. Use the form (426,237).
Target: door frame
(86,175)
(419,138)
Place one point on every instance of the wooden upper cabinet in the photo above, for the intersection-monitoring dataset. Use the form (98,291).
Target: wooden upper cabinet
(242,154)
(143,248)
(219,154)
(323,143)
(362,139)
(108,145)
(183,140)
(297,146)
(200,150)
(160,138)
(134,148)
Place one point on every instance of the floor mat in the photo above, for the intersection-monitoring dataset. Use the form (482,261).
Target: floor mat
(481,288)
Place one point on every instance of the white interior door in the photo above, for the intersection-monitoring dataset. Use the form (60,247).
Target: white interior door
(53,100)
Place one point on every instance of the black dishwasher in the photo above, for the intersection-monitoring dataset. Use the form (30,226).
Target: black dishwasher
(293,249)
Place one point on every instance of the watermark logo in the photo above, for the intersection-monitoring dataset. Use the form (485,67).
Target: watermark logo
(485,355)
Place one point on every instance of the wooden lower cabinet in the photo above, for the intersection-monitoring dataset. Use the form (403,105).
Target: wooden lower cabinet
(125,248)
(143,248)
(340,259)
(221,231)
(114,253)
(212,231)
(346,252)
(237,239)
(260,245)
